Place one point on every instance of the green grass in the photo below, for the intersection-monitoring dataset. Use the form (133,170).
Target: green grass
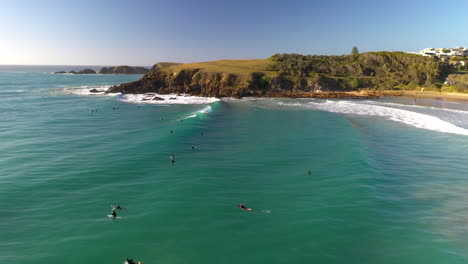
(242,68)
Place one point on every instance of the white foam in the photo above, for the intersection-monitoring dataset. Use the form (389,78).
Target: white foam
(399,115)
(176,99)
(85,90)
(418,107)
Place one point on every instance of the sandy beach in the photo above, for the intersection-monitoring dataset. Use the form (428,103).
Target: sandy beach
(437,95)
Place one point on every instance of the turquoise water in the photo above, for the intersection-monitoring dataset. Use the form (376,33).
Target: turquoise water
(388,180)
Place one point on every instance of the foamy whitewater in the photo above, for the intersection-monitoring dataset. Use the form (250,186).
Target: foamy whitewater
(419,116)
(149,98)
(411,118)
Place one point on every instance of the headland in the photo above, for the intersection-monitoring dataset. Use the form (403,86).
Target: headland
(366,75)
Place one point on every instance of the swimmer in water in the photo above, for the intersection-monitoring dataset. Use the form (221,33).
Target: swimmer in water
(201,133)
(172,131)
(241,206)
(309,172)
(193,146)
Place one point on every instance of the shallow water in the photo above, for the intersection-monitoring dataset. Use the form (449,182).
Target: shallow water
(387,184)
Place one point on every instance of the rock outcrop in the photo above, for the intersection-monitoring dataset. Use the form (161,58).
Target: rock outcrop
(215,84)
(87,71)
(292,75)
(123,70)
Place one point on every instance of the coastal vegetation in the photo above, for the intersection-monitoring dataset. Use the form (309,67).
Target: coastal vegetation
(456,83)
(294,75)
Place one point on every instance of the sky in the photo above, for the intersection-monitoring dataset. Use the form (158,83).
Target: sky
(141,32)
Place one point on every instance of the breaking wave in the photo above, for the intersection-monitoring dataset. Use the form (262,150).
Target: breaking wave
(152,98)
(411,118)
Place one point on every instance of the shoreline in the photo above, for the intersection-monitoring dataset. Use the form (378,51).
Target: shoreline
(364,94)
(458,97)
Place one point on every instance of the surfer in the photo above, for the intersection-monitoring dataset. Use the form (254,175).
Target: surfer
(241,206)
(173,158)
(201,134)
(172,131)
(114,213)
(129,261)
(193,146)
(309,172)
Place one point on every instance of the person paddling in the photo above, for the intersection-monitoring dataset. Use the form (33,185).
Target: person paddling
(241,206)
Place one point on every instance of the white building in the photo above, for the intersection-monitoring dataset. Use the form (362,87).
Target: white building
(444,53)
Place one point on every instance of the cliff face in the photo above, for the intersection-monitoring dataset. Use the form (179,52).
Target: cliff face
(123,70)
(197,82)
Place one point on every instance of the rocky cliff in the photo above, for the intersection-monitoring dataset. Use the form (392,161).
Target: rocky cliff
(290,75)
(198,81)
(124,70)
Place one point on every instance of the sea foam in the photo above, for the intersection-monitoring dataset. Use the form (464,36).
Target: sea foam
(411,118)
(85,90)
(168,99)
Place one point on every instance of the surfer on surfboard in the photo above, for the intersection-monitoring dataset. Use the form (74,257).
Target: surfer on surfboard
(241,206)
(114,210)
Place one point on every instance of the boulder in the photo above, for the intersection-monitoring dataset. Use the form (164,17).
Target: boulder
(86,71)
(95,91)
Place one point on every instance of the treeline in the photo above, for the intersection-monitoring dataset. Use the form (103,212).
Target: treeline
(382,70)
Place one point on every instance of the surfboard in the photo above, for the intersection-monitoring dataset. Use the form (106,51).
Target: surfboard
(111,216)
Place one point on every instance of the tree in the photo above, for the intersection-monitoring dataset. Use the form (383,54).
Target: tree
(355,51)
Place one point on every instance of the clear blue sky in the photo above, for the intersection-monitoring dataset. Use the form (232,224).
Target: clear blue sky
(143,32)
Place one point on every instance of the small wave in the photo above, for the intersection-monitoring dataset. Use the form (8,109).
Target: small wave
(12,91)
(152,98)
(206,110)
(85,90)
(399,115)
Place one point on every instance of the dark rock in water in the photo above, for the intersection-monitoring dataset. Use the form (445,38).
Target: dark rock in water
(96,91)
(158,99)
(124,70)
(86,71)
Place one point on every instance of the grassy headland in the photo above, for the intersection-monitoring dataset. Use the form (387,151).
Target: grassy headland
(294,75)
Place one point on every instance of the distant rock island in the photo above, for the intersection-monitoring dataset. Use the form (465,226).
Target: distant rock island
(110,70)
(294,75)
(124,70)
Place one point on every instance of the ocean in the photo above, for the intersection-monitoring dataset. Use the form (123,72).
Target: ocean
(388,178)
